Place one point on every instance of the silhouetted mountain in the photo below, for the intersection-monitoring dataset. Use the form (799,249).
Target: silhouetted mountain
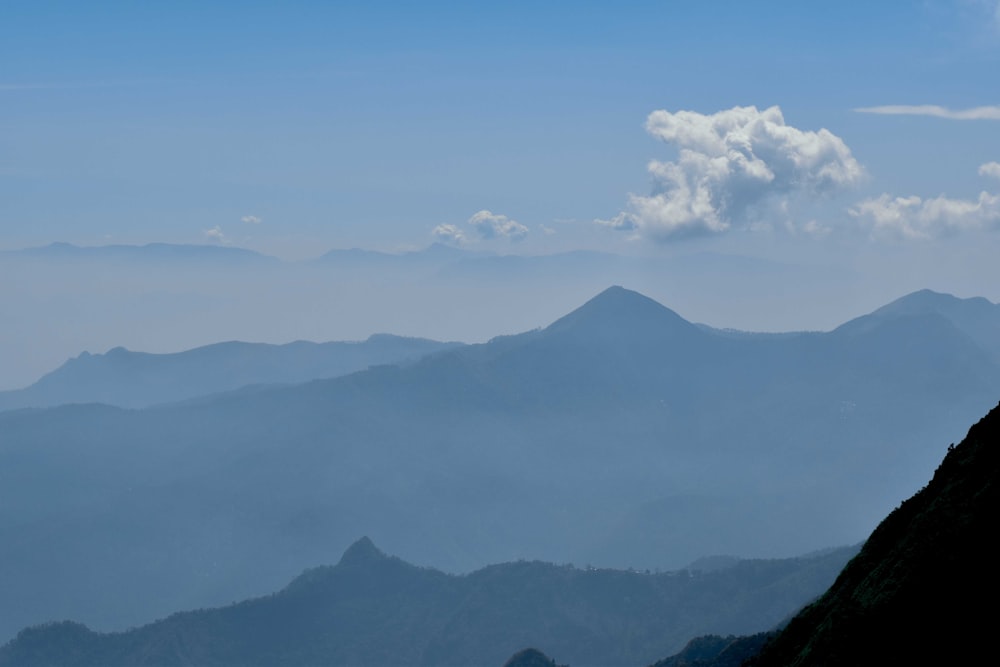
(155,252)
(139,379)
(530,657)
(621,435)
(374,609)
(918,593)
(921,590)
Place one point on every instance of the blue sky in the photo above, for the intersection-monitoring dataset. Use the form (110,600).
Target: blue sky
(359,124)
(719,139)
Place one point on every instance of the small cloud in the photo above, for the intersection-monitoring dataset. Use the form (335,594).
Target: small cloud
(815,228)
(548,231)
(622,221)
(733,169)
(917,218)
(449,234)
(486,225)
(251,219)
(490,226)
(975,113)
(215,234)
(991,169)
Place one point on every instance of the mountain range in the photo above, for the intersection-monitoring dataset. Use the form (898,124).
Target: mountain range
(130,379)
(373,609)
(620,435)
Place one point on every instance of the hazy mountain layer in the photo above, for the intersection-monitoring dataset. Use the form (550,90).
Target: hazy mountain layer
(150,252)
(621,435)
(60,299)
(371,609)
(138,379)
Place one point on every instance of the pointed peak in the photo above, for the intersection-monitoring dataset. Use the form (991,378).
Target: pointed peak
(620,298)
(618,308)
(362,551)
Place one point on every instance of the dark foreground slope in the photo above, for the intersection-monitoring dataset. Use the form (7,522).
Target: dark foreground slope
(922,591)
(924,588)
(372,609)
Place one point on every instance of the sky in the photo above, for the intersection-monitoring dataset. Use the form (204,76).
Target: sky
(862,137)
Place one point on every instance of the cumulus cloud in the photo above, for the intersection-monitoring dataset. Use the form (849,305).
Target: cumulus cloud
(449,233)
(490,225)
(733,168)
(976,113)
(486,226)
(215,234)
(251,219)
(917,218)
(991,169)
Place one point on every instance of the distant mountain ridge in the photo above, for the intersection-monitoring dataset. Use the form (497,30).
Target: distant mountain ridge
(138,379)
(621,435)
(976,317)
(147,252)
(374,609)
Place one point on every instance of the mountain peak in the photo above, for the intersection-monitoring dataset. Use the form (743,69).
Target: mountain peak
(977,317)
(618,310)
(361,552)
(922,300)
(927,301)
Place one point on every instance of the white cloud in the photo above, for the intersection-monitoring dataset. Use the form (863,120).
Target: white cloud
(815,228)
(916,218)
(486,225)
(490,225)
(991,169)
(449,233)
(251,219)
(733,167)
(622,221)
(215,234)
(976,113)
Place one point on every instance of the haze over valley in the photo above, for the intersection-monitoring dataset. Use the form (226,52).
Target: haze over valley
(438,334)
